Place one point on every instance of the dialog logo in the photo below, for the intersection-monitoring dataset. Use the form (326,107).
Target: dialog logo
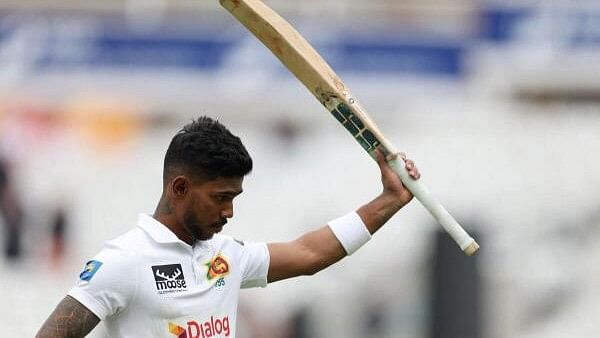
(169,278)
(177,331)
(213,327)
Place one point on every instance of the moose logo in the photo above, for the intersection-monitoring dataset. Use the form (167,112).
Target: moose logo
(169,278)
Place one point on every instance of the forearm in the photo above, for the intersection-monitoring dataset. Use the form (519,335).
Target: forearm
(377,212)
(318,249)
(69,319)
(326,249)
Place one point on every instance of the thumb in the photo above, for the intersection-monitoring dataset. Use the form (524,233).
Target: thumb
(380,156)
(382,161)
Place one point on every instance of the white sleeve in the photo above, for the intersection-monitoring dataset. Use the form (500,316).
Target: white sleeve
(107,283)
(255,265)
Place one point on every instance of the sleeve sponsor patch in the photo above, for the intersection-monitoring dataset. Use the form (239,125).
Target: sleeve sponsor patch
(90,270)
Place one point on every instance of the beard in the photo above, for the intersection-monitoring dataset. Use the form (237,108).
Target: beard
(193,226)
(197,229)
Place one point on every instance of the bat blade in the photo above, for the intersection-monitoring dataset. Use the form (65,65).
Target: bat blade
(318,77)
(287,44)
(308,67)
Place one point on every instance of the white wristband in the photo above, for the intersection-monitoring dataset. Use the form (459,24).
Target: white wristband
(350,231)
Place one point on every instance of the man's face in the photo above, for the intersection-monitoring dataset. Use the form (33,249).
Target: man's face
(209,206)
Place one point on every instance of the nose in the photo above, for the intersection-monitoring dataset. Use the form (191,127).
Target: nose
(227,212)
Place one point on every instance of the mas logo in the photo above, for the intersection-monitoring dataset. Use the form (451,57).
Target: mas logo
(169,278)
(213,327)
(218,267)
(90,270)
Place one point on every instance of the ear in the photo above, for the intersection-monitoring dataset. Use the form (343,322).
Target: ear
(180,186)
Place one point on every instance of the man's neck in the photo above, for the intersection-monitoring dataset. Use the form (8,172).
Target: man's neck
(171,223)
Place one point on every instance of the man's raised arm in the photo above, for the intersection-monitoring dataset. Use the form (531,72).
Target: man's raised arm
(69,319)
(318,249)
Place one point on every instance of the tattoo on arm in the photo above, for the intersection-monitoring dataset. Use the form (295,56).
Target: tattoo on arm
(69,319)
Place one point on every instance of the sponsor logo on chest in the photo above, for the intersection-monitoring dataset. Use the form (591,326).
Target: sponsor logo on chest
(169,278)
(213,327)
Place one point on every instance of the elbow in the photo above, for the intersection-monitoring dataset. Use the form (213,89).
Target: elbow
(310,271)
(315,265)
(312,258)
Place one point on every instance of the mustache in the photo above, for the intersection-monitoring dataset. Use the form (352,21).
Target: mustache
(220,224)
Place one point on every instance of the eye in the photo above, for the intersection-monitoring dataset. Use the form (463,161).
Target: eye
(222,198)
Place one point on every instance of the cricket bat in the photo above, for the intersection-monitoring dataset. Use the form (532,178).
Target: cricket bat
(310,68)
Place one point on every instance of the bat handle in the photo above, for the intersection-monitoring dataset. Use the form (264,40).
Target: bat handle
(420,191)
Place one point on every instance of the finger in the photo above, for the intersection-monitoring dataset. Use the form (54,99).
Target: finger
(382,161)
(409,164)
(402,155)
(414,174)
(380,156)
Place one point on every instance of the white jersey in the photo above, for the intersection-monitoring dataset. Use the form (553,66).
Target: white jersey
(148,283)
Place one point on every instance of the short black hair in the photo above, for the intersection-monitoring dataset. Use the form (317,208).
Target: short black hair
(206,149)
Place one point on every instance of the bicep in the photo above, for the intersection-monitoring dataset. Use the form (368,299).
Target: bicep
(69,319)
(306,255)
(284,261)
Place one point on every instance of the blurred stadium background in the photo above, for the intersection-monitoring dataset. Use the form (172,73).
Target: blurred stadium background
(498,102)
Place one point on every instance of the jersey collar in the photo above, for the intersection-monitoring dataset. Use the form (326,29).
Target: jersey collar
(158,231)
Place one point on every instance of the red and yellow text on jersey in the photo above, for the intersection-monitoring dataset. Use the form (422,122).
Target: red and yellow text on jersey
(214,327)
